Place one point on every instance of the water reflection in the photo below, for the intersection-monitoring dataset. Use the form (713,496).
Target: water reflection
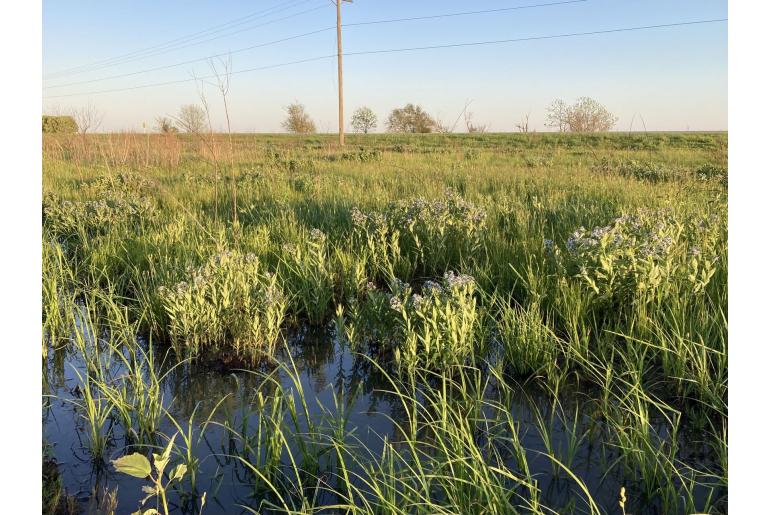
(330,376)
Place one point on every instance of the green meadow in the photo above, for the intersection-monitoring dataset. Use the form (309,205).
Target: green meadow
(533,323)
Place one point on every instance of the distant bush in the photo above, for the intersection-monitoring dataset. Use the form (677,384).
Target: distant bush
(650,171)
(59,125)
(711,171)
(298,121)
(362,155)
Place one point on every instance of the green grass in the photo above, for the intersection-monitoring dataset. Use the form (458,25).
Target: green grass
(599,258)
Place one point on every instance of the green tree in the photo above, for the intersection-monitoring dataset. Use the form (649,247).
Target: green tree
(297,120)
(59,125)
(363,120)
(410,118)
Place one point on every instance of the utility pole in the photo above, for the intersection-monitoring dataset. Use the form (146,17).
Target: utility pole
(339,72)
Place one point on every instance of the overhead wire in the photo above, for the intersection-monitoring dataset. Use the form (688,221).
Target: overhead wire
(415,48)
(311,33)
(182,42)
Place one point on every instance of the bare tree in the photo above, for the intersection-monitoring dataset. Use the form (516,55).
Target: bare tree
(223,84)
(471,127)
(585,115)
(88,118)
(165,125)
(523,125)
(192,118)
(297,120)
(557,115)
(363,120)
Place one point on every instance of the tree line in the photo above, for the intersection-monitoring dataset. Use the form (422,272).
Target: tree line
(584,115)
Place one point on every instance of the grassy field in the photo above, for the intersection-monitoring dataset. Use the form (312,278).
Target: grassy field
(462,268)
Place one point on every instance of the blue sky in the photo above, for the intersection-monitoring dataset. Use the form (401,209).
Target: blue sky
(674,78)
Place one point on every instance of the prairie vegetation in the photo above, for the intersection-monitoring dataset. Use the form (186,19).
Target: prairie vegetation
(443,323)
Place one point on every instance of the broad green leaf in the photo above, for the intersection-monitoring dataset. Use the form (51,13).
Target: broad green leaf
(160,462)
(178,472)
(167,451)
(133,464)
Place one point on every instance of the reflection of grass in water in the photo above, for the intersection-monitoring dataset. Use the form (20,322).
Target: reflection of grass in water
(635,304)
(55,498)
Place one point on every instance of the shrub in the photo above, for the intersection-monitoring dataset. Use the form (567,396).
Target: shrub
(362,155)
(229,303)
(585,115)
(298,121)
(649,171)
(711,171)
(59,125)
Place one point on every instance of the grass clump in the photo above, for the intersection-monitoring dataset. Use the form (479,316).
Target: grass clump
(306,272)
(529,345)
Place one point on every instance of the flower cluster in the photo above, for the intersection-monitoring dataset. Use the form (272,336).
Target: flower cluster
(419,234)
(111,202)
(639,251)
(438,327)
(228,301)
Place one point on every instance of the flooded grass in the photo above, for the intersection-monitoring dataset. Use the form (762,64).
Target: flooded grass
(416,333)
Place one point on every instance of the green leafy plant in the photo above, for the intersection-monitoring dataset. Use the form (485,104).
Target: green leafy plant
(137,465)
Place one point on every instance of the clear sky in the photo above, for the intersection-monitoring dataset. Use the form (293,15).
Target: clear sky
(674,78)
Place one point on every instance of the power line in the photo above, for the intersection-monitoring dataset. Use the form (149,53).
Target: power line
(183,42)
(137,53)
(465,13)
(191,61)
(305,34)
(412,49)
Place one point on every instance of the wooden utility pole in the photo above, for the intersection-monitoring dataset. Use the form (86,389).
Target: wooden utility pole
(339,72)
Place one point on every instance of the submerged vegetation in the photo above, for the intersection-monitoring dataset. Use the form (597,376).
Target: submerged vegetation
(538,328)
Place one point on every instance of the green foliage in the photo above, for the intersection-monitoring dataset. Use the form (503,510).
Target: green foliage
(634,310)
(650,171)
(59,125)
(307,275)
(137,465)
(639,253)
(529,344)
(119,202)
(231,303)
(417,235)
(440,327)
(410,119)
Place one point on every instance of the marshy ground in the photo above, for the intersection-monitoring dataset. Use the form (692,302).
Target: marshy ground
(518,323)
